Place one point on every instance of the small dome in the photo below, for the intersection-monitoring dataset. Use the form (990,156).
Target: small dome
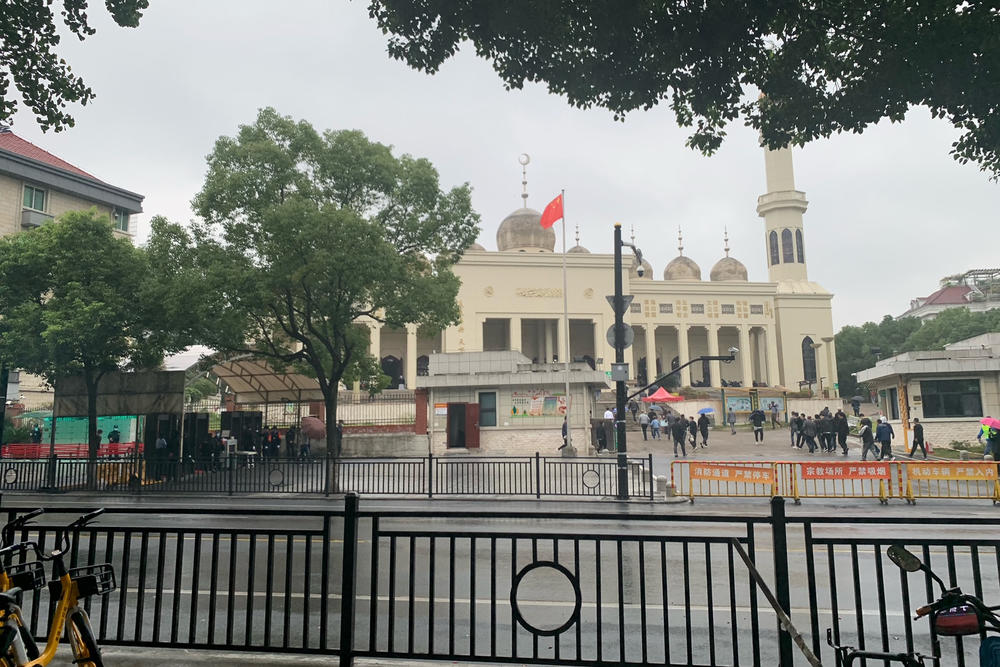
(647,270)
(477,247)
(682,268)
(728,268)
(578,248)
(521,230)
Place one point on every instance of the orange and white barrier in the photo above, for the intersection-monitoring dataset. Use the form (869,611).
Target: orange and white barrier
(959,479)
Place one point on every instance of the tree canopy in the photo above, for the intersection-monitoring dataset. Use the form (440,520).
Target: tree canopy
(28,58)
(824,67)
(306,235)
(856,346)
(75,300)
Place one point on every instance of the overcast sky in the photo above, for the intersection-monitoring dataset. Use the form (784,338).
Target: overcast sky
(890,212)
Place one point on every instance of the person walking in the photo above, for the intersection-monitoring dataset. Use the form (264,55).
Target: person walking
(565,430)
(693,430)
(856,406)
(678,430)
(918,439)
(867,437)
(774,416)
(703,428)
(644,424)
(757,418)
(809,432)
(799,434)
(654,425)
(841,428)
(731,418)
(992,443)
(633,407)
(793,423)
(825,427)
(884,435)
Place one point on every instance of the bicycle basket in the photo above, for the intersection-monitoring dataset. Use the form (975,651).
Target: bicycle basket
(90,580)
(27,576)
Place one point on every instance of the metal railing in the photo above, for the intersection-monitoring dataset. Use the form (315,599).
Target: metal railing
(528,476)
(508,586)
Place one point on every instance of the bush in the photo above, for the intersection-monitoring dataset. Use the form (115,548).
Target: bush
(12,433)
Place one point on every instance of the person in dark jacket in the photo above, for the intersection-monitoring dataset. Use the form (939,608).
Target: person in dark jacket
(841,428)
(824,429)
(693,430)
(757,418)
(918,439)
(884,435)
(809,432)
(678,430)
(703,427)
(867,438)
(799,435)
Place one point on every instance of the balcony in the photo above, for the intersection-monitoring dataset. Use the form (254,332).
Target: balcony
(31,218)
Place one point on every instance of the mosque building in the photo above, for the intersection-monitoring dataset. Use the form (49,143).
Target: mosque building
(511,299)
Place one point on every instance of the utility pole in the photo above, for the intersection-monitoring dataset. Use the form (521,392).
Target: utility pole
(621,371)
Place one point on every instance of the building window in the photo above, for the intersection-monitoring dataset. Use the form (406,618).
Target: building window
(808,360)
(121,219)
(772,240)
(697,309)
(787,252)
(800,247)
(728,309)
(666,308)
(34,198)
(635,307)
(487,408)
(951,398)
(893,401)
(757,310)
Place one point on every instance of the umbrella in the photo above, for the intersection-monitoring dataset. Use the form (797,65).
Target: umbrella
(991,422)
(705,411)
(661,395)
(858,398)
(313,427)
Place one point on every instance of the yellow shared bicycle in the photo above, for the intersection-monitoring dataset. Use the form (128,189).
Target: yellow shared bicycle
(17,648)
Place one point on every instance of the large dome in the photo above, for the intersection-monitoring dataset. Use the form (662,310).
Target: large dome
(682,268)
(578,249)
(476,247)
(728,268)
(521,230)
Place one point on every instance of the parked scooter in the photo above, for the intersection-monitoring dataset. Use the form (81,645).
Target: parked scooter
(953,614)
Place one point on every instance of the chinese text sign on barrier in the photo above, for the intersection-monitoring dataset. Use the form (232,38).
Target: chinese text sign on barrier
(846,471)
(733,474)
(954,471)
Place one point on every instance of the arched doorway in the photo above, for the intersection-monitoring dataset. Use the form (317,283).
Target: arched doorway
(393,367)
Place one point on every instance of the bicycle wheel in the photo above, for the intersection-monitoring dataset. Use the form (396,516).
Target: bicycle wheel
(81,638)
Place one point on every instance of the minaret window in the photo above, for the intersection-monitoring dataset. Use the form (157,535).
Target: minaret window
(772,240)
(787,253)
(800,247)
(808,360)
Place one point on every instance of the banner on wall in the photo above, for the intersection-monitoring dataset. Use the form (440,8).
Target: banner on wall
(537,403)
(738,404)
(441,409)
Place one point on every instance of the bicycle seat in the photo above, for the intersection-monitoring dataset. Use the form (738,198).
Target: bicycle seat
(8,598)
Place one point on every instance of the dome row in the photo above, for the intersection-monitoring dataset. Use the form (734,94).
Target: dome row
(521,232)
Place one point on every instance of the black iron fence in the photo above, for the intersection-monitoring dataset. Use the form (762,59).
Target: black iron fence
(531,476)
(566,588)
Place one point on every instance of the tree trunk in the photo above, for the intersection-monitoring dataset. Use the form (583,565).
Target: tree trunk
(93,443)
(332,441)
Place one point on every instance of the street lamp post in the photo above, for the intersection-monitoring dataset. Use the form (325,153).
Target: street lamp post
(619,307)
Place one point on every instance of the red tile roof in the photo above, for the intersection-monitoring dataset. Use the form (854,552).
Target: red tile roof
(949,295)
(12,143)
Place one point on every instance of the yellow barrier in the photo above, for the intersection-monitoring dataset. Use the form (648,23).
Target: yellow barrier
(958,479)
(842,480)
(728,479)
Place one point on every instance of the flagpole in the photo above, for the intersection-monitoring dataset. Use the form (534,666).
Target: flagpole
(566,352)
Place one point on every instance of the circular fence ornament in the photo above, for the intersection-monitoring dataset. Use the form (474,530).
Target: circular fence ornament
(276,477)
(591,478)
(10,476)
(563,586)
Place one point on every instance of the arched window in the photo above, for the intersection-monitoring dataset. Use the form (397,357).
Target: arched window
(787,253)
(772,240)
(800,247)
(808,360)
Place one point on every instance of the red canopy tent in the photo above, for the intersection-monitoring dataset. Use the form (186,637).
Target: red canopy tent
(661,395)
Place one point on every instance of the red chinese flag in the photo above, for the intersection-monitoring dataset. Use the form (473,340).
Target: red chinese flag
(552,213)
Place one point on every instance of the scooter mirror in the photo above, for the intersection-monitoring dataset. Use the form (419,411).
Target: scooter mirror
(903,558)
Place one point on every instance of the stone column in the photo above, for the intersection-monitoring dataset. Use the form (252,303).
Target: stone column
(410,376)
(547,324)
(831,369)
(714,370)
(745,356)
(682,354)
(650,352)
(515,334)
(773,375)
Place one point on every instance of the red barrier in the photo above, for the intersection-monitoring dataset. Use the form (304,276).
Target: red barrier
(70,451)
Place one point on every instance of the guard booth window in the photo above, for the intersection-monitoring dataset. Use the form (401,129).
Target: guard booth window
(487,408)
(951,398)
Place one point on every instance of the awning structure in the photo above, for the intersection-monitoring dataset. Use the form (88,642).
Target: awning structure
(254,381)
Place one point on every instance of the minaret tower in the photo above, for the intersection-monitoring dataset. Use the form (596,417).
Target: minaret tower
(782,208)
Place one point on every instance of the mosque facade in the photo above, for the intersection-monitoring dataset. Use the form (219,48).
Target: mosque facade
(511,299)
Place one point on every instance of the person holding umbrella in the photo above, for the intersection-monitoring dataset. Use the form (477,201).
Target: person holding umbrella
(703,427)
(856,405)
